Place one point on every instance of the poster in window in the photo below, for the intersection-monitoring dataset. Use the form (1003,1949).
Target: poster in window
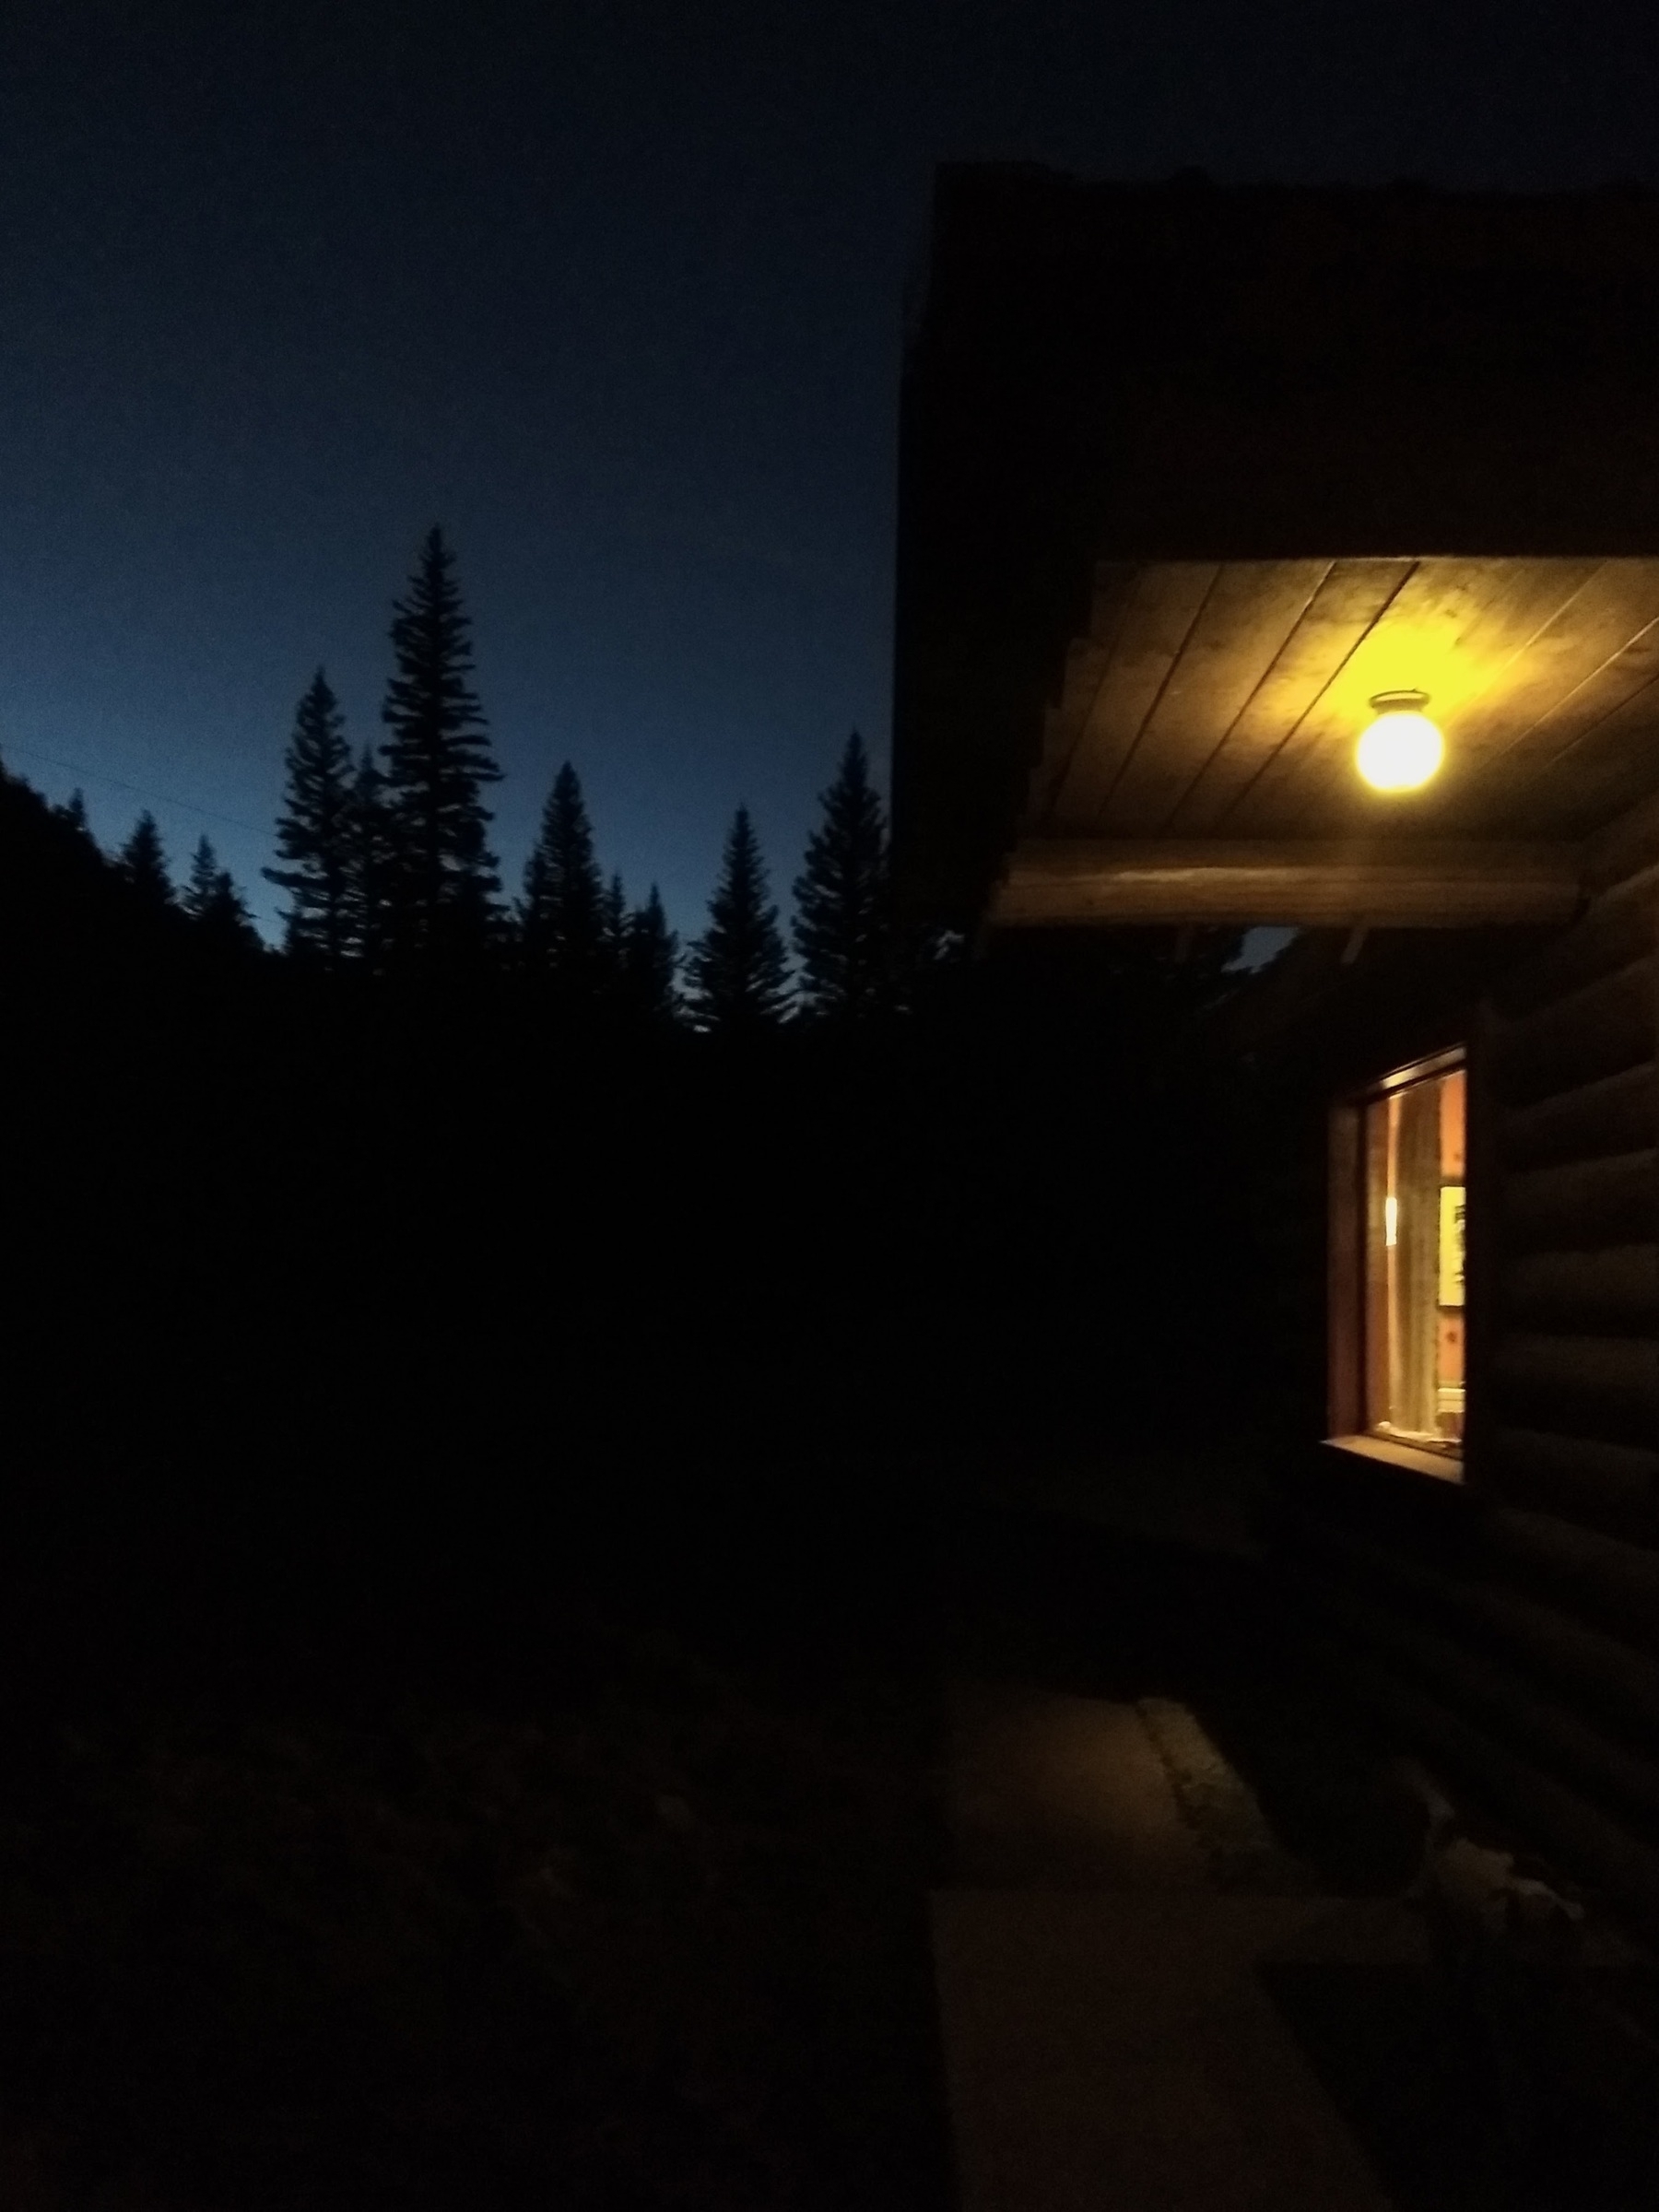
(1452,1244)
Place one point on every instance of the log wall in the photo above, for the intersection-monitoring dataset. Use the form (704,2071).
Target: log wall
(1514,1628)
(1570,1078)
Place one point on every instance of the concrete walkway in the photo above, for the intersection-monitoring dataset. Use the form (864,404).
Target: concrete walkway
(1047,1791)
(1114,1890)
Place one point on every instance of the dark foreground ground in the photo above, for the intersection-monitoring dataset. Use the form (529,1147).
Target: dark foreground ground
(1506,2077)
(567,1886)
(478,1550)
(558,1886)
(469,1712)
(590,1908)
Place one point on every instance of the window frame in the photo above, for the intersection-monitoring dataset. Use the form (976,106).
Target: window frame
(1346,1278)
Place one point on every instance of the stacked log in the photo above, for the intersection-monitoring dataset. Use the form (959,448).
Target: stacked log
(1522,1641)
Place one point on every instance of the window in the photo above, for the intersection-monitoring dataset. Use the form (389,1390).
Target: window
(1397,1309)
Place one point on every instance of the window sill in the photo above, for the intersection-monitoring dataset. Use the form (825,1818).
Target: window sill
(1443,1467)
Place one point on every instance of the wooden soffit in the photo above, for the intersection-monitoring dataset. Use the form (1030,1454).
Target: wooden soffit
(1206,728)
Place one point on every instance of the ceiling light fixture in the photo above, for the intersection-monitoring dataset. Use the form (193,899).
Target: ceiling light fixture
(1401,748)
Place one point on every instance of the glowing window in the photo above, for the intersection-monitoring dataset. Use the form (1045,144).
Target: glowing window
(1413,1138)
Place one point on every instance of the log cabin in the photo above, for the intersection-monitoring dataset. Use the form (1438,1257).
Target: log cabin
(1285,556)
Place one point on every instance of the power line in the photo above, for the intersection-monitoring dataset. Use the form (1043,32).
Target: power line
(158,799)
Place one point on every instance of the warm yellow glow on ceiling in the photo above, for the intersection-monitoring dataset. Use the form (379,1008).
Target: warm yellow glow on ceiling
(1401,748)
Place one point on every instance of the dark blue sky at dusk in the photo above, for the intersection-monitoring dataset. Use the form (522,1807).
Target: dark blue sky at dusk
(614,293)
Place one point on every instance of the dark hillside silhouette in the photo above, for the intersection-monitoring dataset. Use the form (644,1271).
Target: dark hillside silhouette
(68,913)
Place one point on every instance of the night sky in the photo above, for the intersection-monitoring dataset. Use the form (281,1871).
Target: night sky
(613,292)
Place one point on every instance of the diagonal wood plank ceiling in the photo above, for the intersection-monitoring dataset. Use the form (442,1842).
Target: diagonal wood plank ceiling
(1223,698)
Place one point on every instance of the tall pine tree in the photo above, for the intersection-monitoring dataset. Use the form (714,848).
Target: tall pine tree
(315,833)
(437,759)
(737,969)
(613,927)
(202,881)
(562,918)
(229,920)
(371,863)
(143,860)
(842,926)
(650,963)
(214,904)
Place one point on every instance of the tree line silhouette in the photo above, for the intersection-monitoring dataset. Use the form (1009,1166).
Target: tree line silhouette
(279,1208)
(384,855)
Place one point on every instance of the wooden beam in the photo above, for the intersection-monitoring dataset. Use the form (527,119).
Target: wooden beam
(1305,883)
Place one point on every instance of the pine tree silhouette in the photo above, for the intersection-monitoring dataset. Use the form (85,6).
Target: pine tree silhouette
(445,910)
(843,927)
(73,812)
(212,900)
(314,834)
(143,860)
(371,871)
(563,913)
(228,919)
(737,969)
(201,883)
(650,963)
(613,928)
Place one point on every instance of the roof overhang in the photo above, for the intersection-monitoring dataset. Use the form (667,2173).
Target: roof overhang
(1199,763)
(1188,476)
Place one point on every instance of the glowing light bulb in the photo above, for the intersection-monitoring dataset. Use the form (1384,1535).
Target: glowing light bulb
(1401,748)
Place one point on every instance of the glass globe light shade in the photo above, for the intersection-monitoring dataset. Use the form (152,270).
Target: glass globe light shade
(1401,748)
